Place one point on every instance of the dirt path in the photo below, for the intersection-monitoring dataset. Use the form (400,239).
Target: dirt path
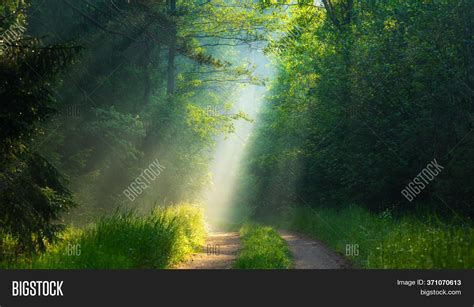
(311,254)
(219,252)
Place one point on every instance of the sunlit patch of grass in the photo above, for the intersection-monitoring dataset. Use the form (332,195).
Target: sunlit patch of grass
(127,240)
(262,248)
(387,242)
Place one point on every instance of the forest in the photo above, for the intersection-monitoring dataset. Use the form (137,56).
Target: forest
(138,133)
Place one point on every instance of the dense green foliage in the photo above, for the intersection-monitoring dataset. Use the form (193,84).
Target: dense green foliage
(94,91)
(140,91)
(367,94)
(383,241)
(157,240)
(262,248)
(28,70)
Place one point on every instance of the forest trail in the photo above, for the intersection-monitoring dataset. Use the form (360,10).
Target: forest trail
(312,254)
(219,252)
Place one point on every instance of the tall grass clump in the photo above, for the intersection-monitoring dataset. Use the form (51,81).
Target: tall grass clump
(384,241)
(262,248)
(127,240)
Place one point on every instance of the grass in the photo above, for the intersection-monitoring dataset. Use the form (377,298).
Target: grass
(262,248)
(386,242)
(157,240)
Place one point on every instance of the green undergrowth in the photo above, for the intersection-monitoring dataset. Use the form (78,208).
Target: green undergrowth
(372,240)
(159,239)
(262,248)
